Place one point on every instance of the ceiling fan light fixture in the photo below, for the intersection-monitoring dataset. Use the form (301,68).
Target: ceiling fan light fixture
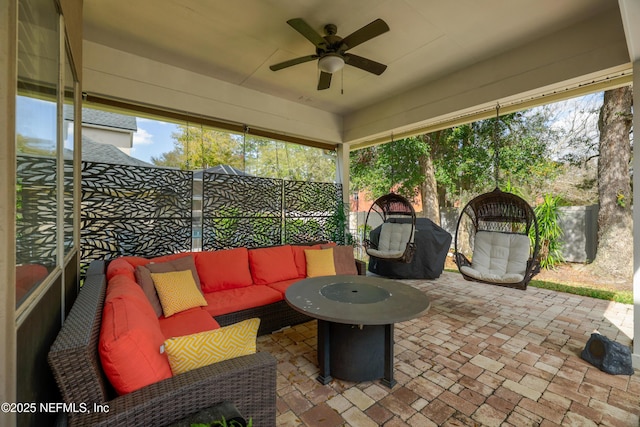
(331,63)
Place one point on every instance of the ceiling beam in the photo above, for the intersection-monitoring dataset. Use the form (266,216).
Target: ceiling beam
(589,51)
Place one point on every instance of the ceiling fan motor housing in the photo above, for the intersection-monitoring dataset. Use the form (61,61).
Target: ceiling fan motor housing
(331,49)
(330,29)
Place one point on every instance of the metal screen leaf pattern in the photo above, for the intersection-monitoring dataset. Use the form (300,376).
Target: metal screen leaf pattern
(133,210)
(253,212)
(146,211)
(311,211)
(240,211)
(36,220)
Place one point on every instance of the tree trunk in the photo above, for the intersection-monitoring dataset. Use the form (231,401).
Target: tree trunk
(429,187)
(614,257)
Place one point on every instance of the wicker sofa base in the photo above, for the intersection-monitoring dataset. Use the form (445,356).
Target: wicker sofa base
(248,382)
(272,317)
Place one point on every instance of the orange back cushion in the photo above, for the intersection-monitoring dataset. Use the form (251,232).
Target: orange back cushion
(224,269)
(122,286)
(119,266)
(271,265)
(130,339)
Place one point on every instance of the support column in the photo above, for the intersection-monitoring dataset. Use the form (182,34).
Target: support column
(342,171)
(8,22)
(630,14)
(636,219)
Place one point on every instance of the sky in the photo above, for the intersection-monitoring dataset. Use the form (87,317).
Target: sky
(36,118)
(152,139)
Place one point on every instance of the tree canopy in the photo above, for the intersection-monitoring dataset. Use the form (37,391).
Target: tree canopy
(463,158)
(197,147)
(395,166)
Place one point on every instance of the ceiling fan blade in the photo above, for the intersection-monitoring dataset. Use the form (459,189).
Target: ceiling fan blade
(364,63)
(369,31)
(324,81)
(291,62)
(301,26)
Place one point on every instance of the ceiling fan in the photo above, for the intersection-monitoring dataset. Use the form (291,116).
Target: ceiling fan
(331,49)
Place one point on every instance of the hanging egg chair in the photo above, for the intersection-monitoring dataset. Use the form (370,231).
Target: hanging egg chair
(500,231)
(389,229)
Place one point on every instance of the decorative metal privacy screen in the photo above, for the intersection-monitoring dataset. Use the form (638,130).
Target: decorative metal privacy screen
(36,210)
(131,210)
(146,211)
(240,211)
(313,212)
(252,212)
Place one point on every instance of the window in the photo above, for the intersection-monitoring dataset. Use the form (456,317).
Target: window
(44,146)
(36,143)
(160,141)
(68,150)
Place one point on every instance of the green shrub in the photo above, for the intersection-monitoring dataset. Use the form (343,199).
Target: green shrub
(550,232)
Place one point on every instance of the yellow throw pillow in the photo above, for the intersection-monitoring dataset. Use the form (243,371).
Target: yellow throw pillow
(320,262)
(204,348)
(177,291)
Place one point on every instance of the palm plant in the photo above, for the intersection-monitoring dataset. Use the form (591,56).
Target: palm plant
(550,232)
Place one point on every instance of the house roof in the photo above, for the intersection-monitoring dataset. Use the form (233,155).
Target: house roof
(93,151)
(92,116)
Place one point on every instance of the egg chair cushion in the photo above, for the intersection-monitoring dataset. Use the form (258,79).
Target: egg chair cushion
(432,245)
(499,257)
(393,241)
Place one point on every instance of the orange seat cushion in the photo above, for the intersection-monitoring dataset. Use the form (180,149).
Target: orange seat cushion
(231,300)
(187,322)
(224,269)
(270,265)
(283,285)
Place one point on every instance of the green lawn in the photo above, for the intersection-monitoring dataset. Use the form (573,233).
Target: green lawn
(625,297)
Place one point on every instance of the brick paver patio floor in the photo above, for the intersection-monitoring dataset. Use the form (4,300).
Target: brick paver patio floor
(482,356)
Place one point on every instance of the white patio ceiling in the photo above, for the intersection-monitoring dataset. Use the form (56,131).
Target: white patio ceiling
(447,60)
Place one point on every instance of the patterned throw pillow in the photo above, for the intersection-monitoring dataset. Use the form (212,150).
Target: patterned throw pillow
(204,348)
(143,276)
(177,291)
(320,262)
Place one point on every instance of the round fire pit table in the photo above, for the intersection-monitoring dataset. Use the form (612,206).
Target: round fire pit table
(355,316)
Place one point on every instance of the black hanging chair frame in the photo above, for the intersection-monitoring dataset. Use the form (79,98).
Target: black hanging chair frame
(388,207)
(504,212)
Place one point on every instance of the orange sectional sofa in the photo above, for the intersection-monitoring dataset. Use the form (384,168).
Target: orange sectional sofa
(230,286)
